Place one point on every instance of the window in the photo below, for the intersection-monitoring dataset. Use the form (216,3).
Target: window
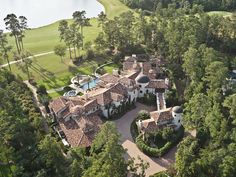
(141,91)
(179,121)
(146,91)
(140,85)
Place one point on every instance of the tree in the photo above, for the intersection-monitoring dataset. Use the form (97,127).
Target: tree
(27,61)
(102,18)
(22,27)
(107,154)
(193,65)
(17,26)
(51,154)
(82,21)
(5,48)
(137,169)
(229,103)
(12,24)
(65,34)
(60,50)
(216,74)
(185,158)
(196,110)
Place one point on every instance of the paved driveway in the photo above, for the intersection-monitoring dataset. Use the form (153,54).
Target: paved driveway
(123,126)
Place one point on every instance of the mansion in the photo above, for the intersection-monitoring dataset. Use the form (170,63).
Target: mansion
(79,118)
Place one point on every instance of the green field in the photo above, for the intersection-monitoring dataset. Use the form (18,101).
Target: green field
(49,70)
(114,7)
(221,13)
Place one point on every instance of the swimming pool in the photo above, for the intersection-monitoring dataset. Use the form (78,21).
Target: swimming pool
(90,84)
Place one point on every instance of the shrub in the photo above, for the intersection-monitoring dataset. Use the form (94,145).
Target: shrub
(142,115)
(42,90)
(134,130)
(148,99)
(158,152)
(66,89)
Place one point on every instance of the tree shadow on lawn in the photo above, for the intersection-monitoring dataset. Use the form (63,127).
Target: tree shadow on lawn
(76,70)
(47,76)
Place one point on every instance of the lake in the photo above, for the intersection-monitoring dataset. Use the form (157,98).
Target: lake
(43,12)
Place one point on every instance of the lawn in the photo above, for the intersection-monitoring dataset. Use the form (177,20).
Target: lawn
(48,69)
(114,7)
(109,68)
(221,13)
(43,39)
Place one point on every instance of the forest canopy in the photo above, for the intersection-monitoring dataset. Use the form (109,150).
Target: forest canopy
(208,5)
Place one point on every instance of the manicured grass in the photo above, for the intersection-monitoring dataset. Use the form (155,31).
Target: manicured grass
(109,68)
(114,7)
(49,70)
(56,94)
(221,13)
(44,39)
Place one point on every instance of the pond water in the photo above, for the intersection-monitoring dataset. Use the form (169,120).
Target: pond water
(44,12)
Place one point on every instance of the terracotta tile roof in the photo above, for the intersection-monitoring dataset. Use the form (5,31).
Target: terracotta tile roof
(81,132)
(109,78)
(162,115)
(116,97)
(149,125)
(128,65)
(130,59)
(127,81)
(58,104)
(146,67)
(102,95)
(133,75)
(157,84)
(119,89)
(90,105)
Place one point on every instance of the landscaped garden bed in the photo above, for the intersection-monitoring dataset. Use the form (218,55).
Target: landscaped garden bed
(160,145)
(157,143)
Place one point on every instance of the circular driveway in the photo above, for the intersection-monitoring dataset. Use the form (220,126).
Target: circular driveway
(123,126)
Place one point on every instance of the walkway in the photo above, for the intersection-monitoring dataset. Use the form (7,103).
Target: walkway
(30,57)
(38,104)
(123,126)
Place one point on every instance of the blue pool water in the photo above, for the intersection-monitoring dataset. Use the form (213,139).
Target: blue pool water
(91,84)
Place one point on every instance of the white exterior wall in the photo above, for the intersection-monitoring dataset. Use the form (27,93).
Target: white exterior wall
(142,89)
(104,111)
(177,119)
(133,94)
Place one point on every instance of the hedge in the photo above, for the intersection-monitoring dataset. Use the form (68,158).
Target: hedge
(158,152)
(134,130)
